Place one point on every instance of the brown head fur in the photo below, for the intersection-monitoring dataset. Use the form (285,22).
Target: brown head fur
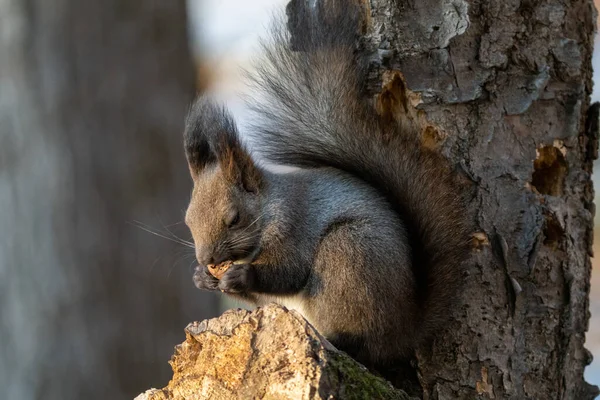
(225,209)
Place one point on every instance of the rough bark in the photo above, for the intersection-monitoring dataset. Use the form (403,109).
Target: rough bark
(92,100)
(502,89)
(270,353)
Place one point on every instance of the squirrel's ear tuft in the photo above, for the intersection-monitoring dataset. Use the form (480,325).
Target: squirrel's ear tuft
(211,137)
(203,122)
(207,125)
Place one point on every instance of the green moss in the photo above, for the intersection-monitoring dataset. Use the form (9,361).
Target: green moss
(356,383)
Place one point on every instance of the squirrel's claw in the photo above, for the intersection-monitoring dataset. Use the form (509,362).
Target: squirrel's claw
(204,280)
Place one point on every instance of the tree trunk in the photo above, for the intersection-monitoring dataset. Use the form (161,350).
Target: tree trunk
(501,88)
(91,112)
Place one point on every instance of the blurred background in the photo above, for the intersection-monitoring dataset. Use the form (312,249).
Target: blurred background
(95,271)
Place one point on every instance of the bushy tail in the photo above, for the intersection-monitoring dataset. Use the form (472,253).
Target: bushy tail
(311,115)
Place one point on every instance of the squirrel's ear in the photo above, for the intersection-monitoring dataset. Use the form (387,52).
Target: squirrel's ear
(210,137)
(205,123)
(238,166)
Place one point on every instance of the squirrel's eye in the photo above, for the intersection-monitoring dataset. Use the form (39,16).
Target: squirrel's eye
(234,219)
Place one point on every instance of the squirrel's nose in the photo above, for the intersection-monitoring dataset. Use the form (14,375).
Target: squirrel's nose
(207,255)
(204,255)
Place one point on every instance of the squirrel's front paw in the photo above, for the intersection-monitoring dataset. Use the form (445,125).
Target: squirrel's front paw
(238,278)
(204,280)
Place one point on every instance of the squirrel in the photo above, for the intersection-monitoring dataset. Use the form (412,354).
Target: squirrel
(366,238)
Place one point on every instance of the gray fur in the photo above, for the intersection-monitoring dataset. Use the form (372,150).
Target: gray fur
(367,240)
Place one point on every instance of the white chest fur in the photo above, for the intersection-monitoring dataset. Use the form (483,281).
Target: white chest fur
(289,302)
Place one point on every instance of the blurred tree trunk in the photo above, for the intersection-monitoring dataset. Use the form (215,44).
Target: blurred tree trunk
(502,90)
(92,100)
